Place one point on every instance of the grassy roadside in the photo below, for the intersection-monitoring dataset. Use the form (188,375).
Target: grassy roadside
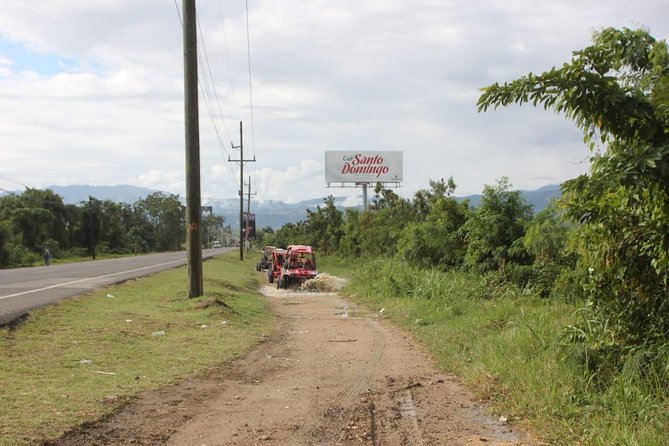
(83,358)
(505,344)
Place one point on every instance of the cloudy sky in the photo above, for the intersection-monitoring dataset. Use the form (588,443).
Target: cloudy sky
(91,91)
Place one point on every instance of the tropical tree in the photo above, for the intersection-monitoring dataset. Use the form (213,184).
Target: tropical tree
(350,241)
(546,239)
(435,239)
(324,226)
(166,215)
(617,92)
(494,230)
(288,234)
(381,227)
(38,217)
(212,228)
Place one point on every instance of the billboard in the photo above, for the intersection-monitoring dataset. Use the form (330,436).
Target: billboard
(249,222)
(363,167)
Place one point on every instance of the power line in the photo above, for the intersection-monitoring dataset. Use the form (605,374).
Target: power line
(212,101)
(211,78)
(248,53)
(206,90)
(14,181)
(226,52)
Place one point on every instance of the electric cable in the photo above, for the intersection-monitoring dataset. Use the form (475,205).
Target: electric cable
(207,95)
(248,53)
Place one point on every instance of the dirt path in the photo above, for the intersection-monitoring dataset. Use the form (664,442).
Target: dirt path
(332,374)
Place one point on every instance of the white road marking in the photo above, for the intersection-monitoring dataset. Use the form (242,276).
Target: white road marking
(89,278)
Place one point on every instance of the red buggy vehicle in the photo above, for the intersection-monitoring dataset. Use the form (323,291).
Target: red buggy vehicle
(275,264)
(298,267)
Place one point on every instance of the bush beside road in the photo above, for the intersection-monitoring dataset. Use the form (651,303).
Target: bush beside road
(508,346)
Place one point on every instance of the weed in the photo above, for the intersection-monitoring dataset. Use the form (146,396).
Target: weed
(517,350)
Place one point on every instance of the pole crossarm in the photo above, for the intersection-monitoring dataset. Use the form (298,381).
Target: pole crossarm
(241,161)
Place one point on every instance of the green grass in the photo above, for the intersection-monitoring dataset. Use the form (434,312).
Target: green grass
(335,266)
(82,359)
(505,345)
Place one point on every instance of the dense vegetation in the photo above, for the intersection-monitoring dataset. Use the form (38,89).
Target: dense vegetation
(37,219)
(604,246)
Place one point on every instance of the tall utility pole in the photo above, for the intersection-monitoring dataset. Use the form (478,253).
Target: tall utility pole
(248,214)
(241,162)
(193,211)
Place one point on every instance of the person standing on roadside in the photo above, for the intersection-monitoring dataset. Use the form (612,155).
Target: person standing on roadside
(46,255)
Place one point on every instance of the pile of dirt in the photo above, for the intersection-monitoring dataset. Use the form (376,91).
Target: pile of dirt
(324,283)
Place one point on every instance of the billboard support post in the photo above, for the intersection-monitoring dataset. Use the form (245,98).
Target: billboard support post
(364,197)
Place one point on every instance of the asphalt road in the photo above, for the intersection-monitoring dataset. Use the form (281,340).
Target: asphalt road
(24,289)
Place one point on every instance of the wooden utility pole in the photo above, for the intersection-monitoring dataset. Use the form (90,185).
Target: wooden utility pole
(241,162)
(193,210)
(248,214)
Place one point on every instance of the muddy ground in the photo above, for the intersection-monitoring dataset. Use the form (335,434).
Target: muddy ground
(331,374)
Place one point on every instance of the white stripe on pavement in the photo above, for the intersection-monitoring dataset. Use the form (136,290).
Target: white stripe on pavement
(89,278)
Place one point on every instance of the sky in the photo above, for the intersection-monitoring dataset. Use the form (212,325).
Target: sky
(91,92)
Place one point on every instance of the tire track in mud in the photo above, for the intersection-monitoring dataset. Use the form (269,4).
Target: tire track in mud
(329,427)
(404,401)
(337,413)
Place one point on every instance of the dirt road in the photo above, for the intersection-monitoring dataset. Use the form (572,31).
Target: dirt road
(332,374)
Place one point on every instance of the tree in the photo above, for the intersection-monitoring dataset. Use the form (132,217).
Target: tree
(323,226)
(350,242)
(166,215)
(212,228)
(288,234)
(435,239)
(495,228)
(546,235)
(617,92)
(37,216)
(381,227)
(91,223)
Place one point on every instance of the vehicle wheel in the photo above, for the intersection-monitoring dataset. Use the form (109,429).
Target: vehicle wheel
(270,275)
(279,283)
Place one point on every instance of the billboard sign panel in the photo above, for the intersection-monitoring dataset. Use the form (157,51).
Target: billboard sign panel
(363,167)
(249,222)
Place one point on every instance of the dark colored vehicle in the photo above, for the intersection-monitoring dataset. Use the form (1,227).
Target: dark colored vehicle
(276,262)
(265,258)
(298,267)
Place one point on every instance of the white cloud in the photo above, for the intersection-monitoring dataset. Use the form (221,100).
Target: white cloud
(293,183)
(157,179)
(95,90)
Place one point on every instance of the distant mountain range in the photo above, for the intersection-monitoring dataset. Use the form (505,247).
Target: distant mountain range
(538,198)
(268,213)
